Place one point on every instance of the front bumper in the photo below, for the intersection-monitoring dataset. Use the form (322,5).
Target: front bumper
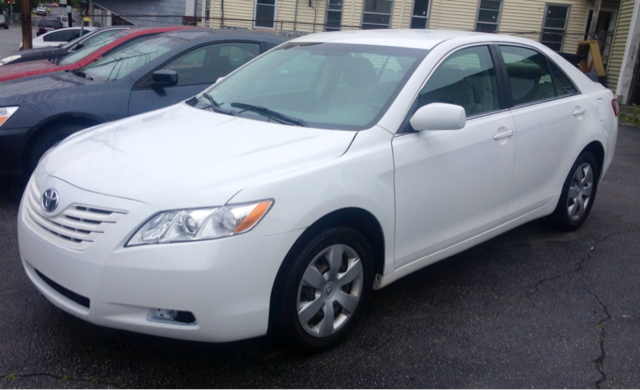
(12,144)
(226,283)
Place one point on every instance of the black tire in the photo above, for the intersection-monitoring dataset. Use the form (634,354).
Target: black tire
(47,140)
(291,293)
(580,187)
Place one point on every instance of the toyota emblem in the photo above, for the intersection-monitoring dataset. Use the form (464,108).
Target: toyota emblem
(50,200)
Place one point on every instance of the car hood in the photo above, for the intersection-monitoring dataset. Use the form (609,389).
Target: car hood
(42,88)
(181,157)
(11,71)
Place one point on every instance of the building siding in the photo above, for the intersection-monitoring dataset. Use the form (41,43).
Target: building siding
(619,42)
(156,12)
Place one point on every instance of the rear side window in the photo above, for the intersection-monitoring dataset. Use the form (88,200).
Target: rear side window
(564,86)
(529,75)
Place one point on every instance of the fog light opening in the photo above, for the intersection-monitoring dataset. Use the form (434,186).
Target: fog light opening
(172,316)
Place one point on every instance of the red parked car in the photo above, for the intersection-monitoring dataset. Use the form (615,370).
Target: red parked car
(82,57)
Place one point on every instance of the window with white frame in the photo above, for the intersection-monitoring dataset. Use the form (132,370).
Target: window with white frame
(265,14)
(376,14)
(488,17)
(554,25)
(334,15)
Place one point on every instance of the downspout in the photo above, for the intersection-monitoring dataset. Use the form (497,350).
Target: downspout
(315,15)
(295,17)
(221,13)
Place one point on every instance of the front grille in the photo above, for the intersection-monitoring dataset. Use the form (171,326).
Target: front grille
(65,292)
(77,227)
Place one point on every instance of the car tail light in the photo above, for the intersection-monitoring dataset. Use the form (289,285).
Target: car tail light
(614,105)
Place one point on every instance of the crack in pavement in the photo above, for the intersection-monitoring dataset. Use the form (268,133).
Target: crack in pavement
(94,381)
(599,362)
(579,264)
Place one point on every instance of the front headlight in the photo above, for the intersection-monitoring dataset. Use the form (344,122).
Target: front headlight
(5,113)
(200,224)
(6,60)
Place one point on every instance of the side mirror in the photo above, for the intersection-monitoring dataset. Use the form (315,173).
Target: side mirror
(164,78)
(439,116)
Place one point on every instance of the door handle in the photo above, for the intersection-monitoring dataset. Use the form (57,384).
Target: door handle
(504,134)
(579,111)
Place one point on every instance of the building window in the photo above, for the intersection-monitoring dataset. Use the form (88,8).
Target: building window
(334,15)
(420,16)
(265,14)
(377,14)
(554,26)
(488,16)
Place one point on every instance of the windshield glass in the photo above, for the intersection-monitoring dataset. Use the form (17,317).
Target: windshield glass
(323,85)
(72,43)
(125,60)
(93,38)
(100,41)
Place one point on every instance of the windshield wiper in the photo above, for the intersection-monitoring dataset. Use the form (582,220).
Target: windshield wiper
(282,118)
(80,73)
(215,107)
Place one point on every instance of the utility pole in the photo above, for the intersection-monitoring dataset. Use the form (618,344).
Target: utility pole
(26,25)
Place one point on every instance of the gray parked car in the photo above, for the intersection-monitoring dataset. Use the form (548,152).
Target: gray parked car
(145,75)
(3,22)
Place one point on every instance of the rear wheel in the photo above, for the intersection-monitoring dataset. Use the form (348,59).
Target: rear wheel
(578,193)
(327,284)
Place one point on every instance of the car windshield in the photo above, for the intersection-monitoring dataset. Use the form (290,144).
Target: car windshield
(91,39)
(125,60)
(323,85)
(100,41)
(71,43)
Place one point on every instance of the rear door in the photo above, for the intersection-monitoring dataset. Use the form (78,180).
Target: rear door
(197,69)
(549,113)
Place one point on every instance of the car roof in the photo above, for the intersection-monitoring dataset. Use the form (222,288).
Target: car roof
(208,34)
(410,38)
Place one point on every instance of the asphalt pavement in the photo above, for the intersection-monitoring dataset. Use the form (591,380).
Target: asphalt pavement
(531,308)
(10,39)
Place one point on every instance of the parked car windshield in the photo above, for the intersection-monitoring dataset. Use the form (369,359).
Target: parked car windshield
(323,85)
(123,61)
(94,38)
(87,49)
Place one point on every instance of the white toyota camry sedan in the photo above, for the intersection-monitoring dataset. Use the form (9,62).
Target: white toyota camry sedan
(336,163)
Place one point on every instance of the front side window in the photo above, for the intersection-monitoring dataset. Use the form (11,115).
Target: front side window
(376,14)
(554,26)
(206,64)
(334,15)
(321,85)
(467,78)
(265,14)
(488,16)
(529,75)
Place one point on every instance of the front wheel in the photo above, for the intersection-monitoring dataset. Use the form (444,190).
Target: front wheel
(328,281)
(578,193)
